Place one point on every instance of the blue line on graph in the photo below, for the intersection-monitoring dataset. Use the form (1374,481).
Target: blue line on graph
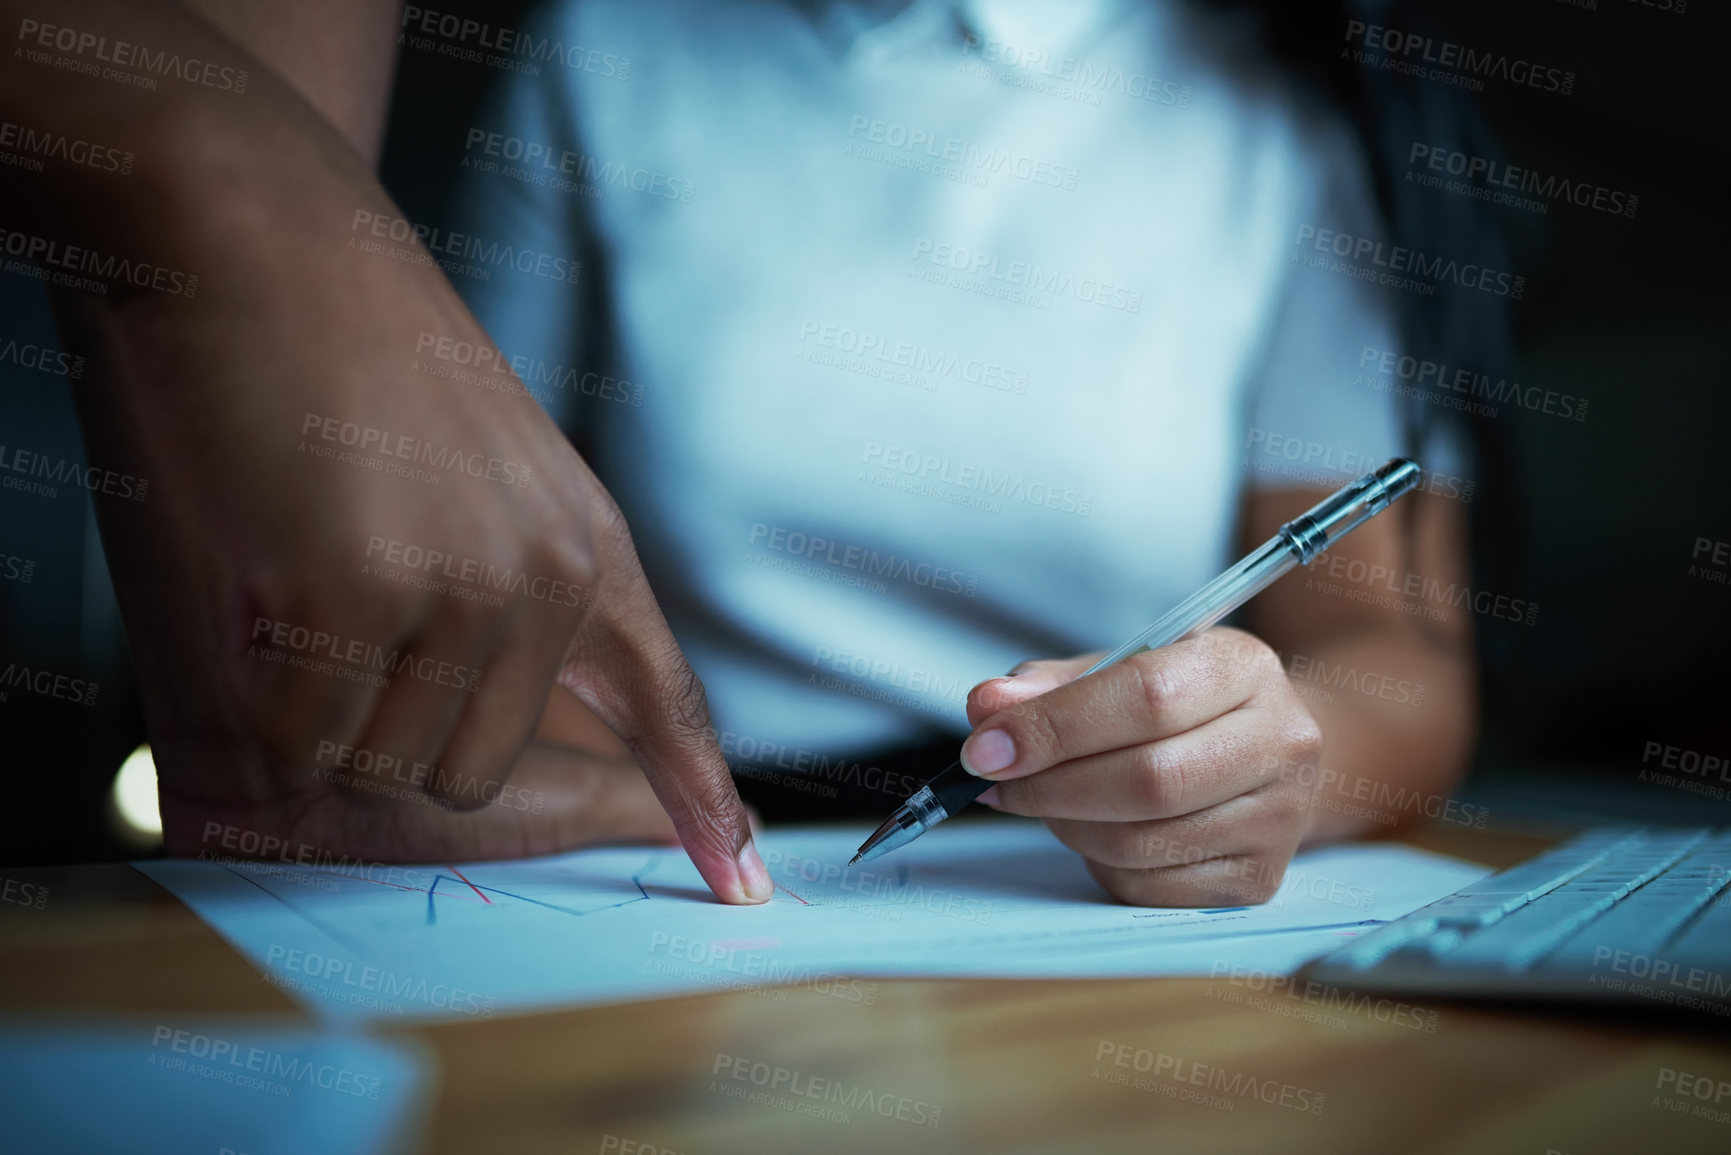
(636,880)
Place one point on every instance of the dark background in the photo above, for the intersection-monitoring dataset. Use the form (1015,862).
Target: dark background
(1595,520)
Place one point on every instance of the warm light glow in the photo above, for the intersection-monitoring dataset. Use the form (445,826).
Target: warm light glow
(134,797)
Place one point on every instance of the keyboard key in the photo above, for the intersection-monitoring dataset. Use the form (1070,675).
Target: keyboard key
(1466,913)
(1530,933)
(1528,882)
(1561,919)
(1639,925)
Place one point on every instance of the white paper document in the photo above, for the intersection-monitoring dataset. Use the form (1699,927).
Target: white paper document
(998,898)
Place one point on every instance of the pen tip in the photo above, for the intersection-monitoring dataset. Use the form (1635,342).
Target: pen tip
(855,859)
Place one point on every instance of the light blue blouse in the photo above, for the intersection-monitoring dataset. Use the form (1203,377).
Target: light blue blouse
(917,340)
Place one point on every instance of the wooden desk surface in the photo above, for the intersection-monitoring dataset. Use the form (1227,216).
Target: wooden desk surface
(996,1066)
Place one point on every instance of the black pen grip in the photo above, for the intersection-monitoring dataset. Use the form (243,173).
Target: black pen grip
(955,788)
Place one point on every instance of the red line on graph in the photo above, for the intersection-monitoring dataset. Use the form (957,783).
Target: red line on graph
(469,884)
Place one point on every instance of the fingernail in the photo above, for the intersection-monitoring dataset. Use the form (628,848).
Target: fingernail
(988,753)
(989,796)
(753,875)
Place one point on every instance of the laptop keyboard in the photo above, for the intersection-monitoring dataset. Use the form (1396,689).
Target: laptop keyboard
(1611,903)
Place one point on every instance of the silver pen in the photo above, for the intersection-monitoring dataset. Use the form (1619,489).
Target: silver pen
(1298,542)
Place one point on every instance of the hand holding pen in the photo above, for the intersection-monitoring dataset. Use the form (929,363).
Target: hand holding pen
(1166,763)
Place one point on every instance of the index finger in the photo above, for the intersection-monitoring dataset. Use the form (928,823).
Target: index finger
(1149,696)
(625,666)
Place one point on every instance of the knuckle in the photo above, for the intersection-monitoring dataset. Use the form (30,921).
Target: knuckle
(569,560)
(606,520)
(1158,686)
(1157,780)
(706,833)
(683,700)
(981,696)
(1303,737)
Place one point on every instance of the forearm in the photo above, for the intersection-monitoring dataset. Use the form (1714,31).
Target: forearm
(229,231)
(1398,718)
(168,112)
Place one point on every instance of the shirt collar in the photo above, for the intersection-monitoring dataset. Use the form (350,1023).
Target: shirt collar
(881,28)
